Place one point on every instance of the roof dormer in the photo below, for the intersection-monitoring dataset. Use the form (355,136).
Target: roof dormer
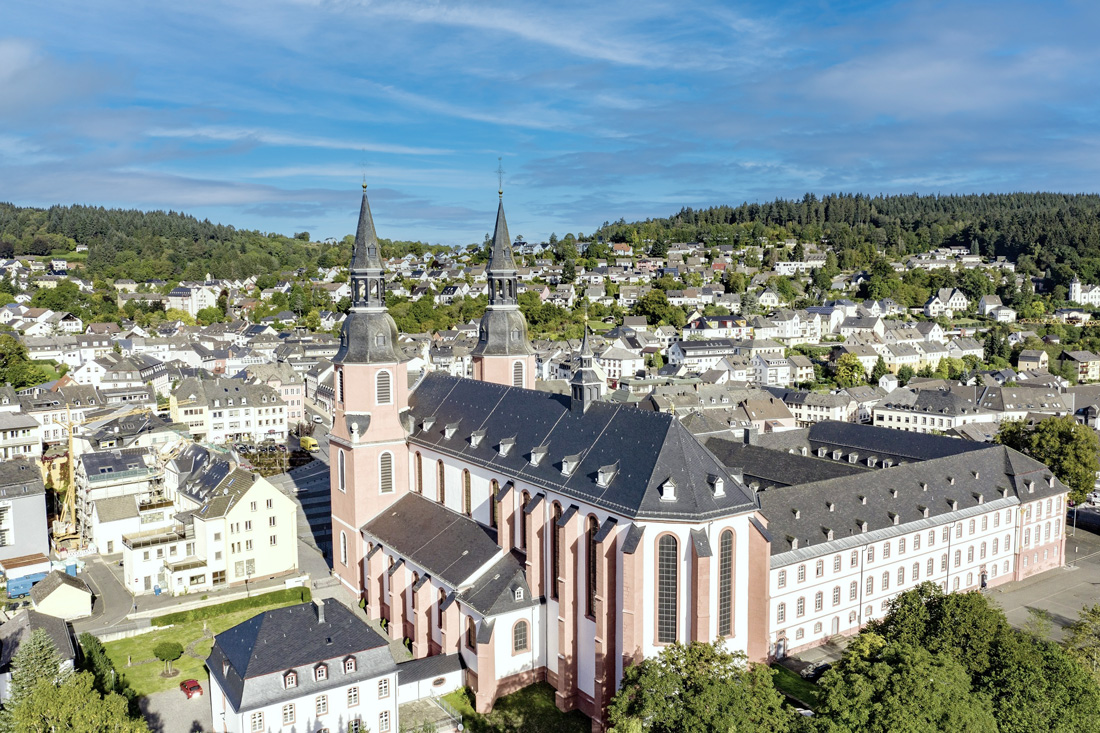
(476,437)
(450,430)
(538,454)
(569,464)
(668,490)
(607,474)
(505,447)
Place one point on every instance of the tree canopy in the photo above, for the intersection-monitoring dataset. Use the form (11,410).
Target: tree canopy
(699,688)
(1067,447)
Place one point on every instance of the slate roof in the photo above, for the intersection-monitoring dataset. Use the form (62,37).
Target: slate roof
(449,546)
(428,668)
(16,630)
(658,446)
(260,649)
(979,478)
(494,592)
(769,467)
(43,588)
(19,477)
(868,441)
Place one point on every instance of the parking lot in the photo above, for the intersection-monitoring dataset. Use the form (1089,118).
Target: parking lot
(172,712)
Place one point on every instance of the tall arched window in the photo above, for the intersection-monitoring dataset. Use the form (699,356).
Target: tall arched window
(343,548)
(590,566)
(517,374)
(494,487)
(419,473)
(471,633)
(383,392)
(441,483)
(523,520)
(439,608)
(555,550)
(342,473)
(520,637)
(467,498)
(725,584)
(385,473)
(667,588)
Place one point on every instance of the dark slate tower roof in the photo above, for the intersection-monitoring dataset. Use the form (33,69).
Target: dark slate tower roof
(365,255)
(503,330)
(369,335)
(500,256)
(585,384)
(635,463)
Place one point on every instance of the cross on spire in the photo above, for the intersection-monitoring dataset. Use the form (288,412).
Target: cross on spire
(500,177)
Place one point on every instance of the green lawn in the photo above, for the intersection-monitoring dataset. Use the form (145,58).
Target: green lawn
(795,686)
(50,367)
(599,326)
(145,679)
(530,710)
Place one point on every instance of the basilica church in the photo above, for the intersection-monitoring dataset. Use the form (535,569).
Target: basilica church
(562,538)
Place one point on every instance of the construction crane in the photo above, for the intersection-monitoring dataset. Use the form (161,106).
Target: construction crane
(68,508)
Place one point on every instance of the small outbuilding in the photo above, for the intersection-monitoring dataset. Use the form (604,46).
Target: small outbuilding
(62,596)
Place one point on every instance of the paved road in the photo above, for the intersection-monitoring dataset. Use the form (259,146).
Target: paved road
(112,601)
(1062,592)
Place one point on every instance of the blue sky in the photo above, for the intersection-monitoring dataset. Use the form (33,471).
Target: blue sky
(265,115)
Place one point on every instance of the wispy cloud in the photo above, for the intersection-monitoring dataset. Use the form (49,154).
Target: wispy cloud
(286,140)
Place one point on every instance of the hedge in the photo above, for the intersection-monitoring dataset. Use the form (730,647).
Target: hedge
(285,595)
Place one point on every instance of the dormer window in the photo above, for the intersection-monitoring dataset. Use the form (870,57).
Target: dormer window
(349,665)
(476,437)
(518,595)
(320,672)
(427,423)
(607,474)
(506,446)
(290,679)
(718,485)
(668,491)
(820,452)
(450,430)
(538,454)
(569,464)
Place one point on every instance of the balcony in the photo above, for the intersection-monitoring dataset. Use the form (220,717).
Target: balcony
(161,536)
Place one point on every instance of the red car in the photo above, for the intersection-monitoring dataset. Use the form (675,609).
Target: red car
(191,688)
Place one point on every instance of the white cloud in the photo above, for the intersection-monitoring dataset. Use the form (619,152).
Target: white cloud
(281,139)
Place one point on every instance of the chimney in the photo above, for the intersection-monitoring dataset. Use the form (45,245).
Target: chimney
(320,610)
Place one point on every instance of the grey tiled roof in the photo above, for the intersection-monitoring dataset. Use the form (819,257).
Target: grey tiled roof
(659,447)
(114,508)
(867,502)
(248,660)
(448,545)
(15,631)
(43,588)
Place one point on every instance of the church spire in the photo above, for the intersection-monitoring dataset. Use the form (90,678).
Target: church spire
(501,271)
(369,335)
(586,386)
(367,285)
(365,255)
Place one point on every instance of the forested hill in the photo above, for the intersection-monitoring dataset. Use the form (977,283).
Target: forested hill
(1050,229)
(143,245)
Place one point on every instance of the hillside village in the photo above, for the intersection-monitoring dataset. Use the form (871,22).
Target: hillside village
(157,429)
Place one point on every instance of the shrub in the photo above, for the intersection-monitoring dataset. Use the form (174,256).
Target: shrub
(299,595)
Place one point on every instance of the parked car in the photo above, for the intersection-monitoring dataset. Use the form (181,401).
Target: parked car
(318,419)
(191,688)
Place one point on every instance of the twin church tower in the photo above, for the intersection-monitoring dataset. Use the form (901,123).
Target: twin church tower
(369,455)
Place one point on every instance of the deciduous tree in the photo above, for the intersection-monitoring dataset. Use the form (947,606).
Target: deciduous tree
(699,688)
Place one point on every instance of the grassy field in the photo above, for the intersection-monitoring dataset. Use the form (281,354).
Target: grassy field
(794,686)
(530,710)
(145,678)
(599,326)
